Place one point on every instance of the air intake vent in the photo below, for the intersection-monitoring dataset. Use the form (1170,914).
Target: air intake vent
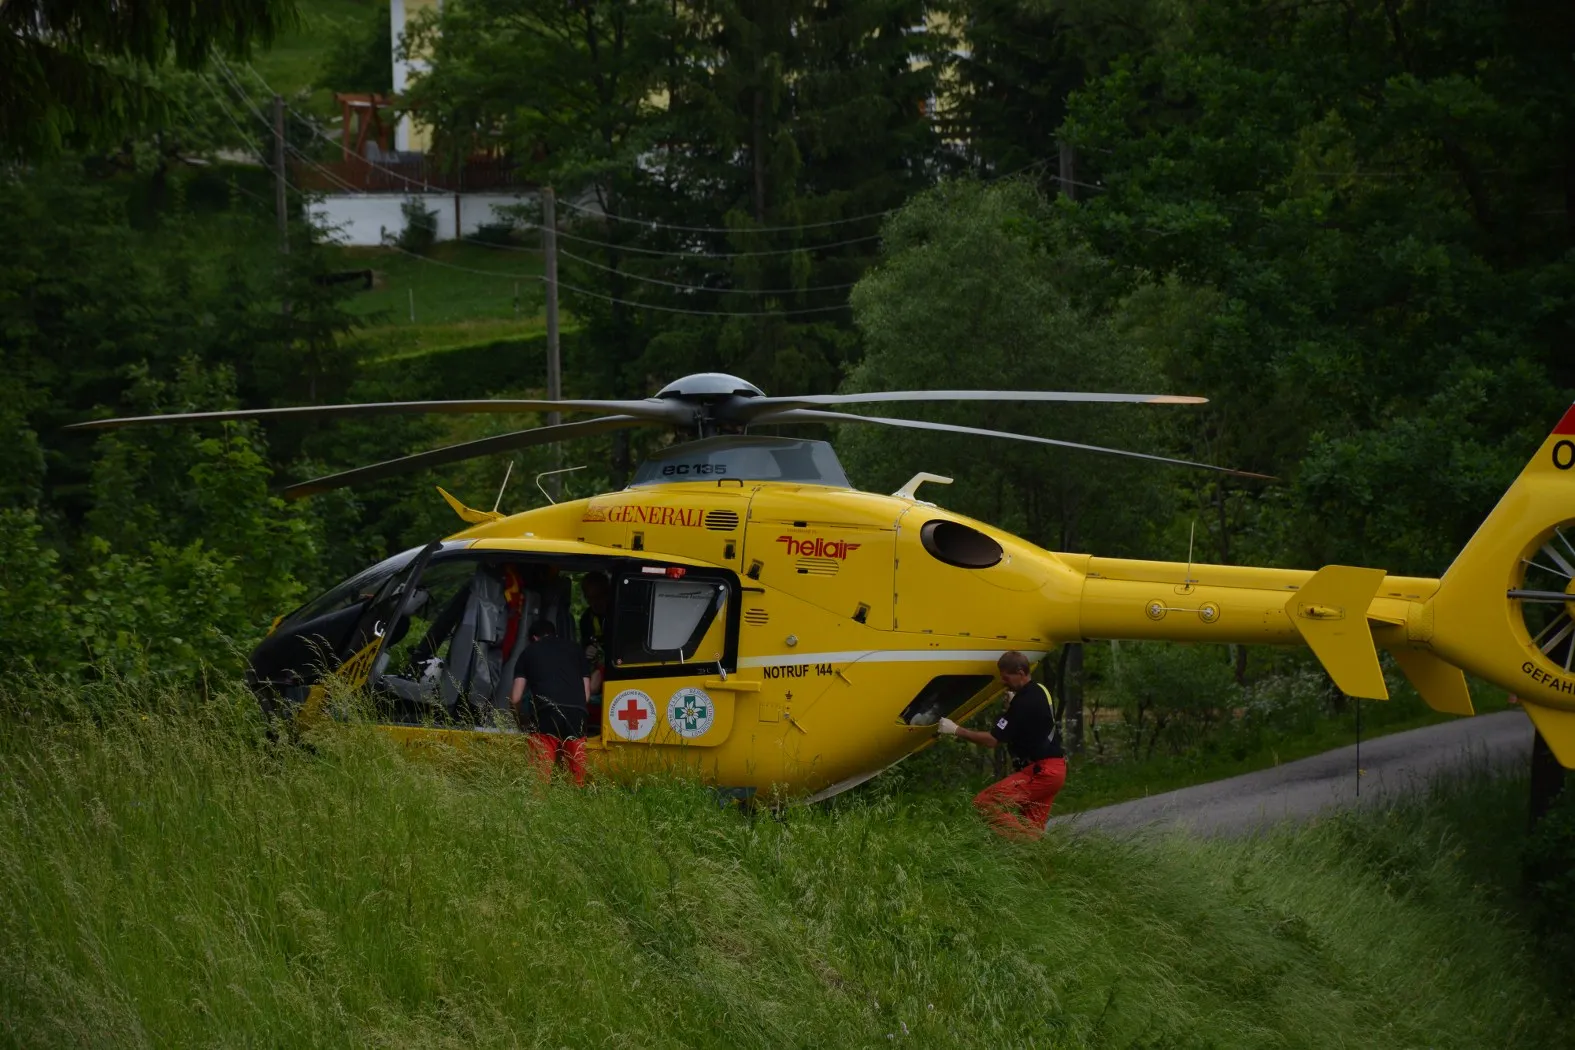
(721,520)
(756,616)
(818,566)
(957,544)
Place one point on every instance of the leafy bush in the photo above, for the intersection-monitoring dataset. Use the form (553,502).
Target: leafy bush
(1550,874)
(35,622)
(1167,693)
(494,233)
(420,232)
(184,559)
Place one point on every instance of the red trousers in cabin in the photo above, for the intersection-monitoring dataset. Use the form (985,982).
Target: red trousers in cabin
(550,750)
(1018,806)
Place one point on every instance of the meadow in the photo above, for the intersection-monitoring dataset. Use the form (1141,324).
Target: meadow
(177,875)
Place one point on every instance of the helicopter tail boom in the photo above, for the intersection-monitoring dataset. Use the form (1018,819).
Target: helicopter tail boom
(1339,612)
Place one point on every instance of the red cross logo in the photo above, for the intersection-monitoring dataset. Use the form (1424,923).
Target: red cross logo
(632,715)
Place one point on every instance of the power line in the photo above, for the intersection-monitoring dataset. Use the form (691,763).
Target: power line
(705,313)
(615,299)
(315,130)
(665,253)
(463,269)
(701,288)
(654,225)
(300,155)
(327,173)
(495,246)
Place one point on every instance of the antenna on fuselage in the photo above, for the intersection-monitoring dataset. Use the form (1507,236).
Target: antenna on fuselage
(1189,581)
(549,473)
(499,500)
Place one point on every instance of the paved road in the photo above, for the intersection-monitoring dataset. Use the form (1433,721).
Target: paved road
(1296,790)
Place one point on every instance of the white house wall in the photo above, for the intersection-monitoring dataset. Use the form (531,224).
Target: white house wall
(367,219)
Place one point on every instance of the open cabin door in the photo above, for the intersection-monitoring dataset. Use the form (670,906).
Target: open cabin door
(673,648)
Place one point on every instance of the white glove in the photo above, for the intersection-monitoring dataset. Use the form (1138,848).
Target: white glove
(946,727)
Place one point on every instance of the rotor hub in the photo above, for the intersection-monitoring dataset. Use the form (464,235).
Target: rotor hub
(709,387)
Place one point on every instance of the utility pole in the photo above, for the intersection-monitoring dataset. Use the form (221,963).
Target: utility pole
(1068,171)
(1070,674)
(281,202)
(549,245)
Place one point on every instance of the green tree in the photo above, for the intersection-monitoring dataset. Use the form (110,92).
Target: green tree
(1364,193)
(795,126)
(81,73)
(361,56)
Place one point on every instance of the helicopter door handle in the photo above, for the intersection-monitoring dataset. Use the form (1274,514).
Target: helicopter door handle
(733,685)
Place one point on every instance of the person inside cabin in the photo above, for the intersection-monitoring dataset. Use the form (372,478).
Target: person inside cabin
(1019,806)
(554,672)
(593,632)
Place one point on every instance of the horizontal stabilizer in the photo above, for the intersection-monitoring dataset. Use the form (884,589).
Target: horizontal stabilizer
(1557,727)
(1442,685)
(1330,612)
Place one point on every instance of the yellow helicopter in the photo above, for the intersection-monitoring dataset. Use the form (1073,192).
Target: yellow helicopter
(774,629)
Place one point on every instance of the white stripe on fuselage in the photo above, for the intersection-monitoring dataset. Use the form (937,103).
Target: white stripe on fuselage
(880,656)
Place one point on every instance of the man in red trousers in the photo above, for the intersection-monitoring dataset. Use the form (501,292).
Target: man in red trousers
(556,674)
(1019,806)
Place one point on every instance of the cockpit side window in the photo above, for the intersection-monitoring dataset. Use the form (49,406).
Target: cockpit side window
(661,621)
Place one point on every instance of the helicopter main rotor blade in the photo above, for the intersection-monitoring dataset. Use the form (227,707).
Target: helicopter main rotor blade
(455,453)
(754,407)
(807,415)
(647,408)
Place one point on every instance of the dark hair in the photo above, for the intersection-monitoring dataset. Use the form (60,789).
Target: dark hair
(1012,662)
(592,578)
(543,628)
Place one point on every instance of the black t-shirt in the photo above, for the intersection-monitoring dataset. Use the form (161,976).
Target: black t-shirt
(554,670)
(1027,726)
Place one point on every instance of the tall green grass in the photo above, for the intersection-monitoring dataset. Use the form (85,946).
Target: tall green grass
(173,877)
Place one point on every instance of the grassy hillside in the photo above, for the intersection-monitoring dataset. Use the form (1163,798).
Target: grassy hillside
(175,879)
(456,283)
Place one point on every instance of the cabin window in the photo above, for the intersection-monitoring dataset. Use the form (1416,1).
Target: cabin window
(658,620)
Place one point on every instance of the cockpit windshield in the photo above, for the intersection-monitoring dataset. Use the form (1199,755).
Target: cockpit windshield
(745,458)
(357,590)
(331,627)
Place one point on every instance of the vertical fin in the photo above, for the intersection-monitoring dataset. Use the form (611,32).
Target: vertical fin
(1330,612)
(1442,685)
